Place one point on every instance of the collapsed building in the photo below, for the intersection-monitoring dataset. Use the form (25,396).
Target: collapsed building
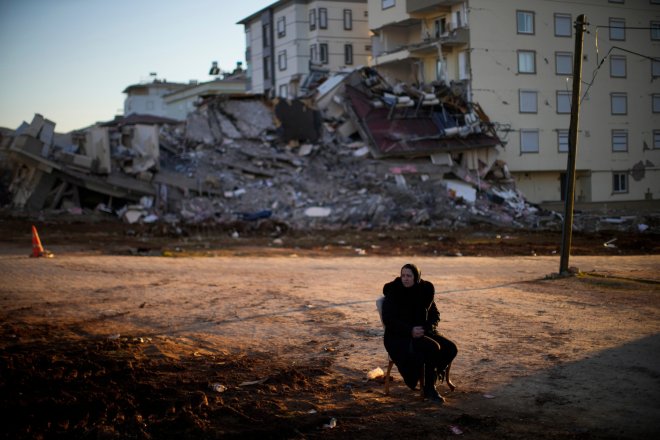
(356,152)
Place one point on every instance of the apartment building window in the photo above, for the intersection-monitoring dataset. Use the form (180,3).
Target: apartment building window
(313,53)
(526,61)
(563,102)
(617,29)
(563,25)
(463,65)
(281,27)
(529,141)
(283,91)
(312,19)
(655,103)
(324,53)
(281,60)
(617,66)
(619,140)
(348,19)
(620,182)
(528,101)
(563,63)
(388,3)
(265,29)
(562,141)
(525,22)
(655,30)
(656,139)
(655,68)
(440,26)
(266,61)
(323,18)
(440,69)
(459,19)
(619,103)
(348,54)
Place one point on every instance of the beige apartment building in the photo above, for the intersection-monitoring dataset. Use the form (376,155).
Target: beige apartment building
(290,39)
(515,58)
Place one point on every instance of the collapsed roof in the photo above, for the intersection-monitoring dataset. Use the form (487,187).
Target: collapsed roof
(359,153)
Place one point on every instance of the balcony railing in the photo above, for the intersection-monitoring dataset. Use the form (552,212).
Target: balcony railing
(413,6)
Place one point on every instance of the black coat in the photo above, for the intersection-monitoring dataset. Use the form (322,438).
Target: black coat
(403,309)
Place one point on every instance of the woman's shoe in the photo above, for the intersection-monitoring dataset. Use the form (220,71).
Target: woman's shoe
(432,394)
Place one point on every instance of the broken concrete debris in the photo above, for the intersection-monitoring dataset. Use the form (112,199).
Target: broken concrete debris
(356,152)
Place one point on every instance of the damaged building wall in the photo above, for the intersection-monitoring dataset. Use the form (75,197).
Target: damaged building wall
(616,119)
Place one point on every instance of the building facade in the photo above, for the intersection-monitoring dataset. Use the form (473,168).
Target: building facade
(148,98)
(290,39)
(176,100)
(515,58)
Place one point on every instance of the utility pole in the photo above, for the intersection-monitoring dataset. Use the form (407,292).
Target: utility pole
(567,230)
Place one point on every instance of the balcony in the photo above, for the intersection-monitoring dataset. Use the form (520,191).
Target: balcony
(417,6)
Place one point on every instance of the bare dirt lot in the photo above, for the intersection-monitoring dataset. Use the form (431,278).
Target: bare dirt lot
(275,341)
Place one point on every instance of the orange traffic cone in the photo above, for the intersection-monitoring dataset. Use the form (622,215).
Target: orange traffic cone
(37,248)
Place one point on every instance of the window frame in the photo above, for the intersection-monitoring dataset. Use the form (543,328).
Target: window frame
(560,135)
(265,35)
(281,21)
(348,18)
(524,14)
(538,141)
(655,69)
(613,28)
(655,26)
(570,23)
(520,52)
(313,53)
(323,18)
(386,4)
(613,97)
(621,58)
(283,88)
(522,108)
(619,140)
(563,94)
(570,63)
(281,60)
(655,99)
(312,19)
(348,54)
(267,68)
(619,178)
(324,53)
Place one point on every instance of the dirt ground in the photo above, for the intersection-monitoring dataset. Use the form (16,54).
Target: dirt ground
(127,333)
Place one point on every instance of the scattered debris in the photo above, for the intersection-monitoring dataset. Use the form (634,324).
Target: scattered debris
(331,424)
(218,387)
(357,152)
(375,373)
(455,430)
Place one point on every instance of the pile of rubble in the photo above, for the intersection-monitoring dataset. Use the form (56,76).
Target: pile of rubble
(355,154)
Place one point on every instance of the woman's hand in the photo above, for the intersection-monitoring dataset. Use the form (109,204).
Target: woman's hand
(417,331)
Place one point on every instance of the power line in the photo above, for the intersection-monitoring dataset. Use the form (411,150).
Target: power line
(601,62)
(628,27)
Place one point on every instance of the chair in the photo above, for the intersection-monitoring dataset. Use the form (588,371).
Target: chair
(390,362)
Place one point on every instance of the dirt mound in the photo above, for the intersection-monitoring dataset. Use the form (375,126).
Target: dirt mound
(117,388)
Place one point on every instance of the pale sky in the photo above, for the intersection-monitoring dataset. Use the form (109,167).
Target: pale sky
(70,60)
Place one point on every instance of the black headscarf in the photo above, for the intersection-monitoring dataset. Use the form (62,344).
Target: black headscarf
(417,274)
